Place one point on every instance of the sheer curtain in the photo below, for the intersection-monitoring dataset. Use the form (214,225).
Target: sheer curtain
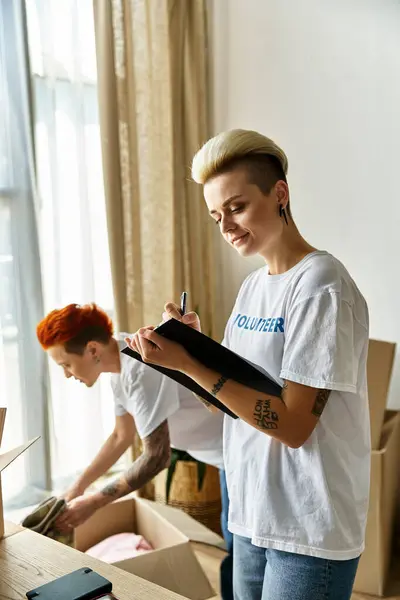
(152,67)
(22,365)
(72,218)
(152,58)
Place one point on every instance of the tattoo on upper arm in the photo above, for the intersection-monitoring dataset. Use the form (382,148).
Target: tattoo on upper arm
(155,457)
(283,392)
(204,401)
(320,402)
(264,417)
(219,385)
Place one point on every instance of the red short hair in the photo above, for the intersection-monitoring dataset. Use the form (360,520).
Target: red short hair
(74,326)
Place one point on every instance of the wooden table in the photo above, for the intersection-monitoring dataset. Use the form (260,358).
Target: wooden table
(28,560)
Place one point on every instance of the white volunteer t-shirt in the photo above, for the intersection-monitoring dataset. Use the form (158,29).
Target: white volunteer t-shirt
(151,398)
(308,325)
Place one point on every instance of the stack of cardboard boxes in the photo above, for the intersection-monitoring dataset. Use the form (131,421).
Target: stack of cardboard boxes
(385,473)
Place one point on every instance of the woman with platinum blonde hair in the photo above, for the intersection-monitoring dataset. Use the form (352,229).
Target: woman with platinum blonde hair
(297,465)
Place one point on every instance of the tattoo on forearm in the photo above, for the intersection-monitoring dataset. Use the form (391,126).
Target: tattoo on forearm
(320,402)
(111,489)
(219,385)
(264,417)
(155,457)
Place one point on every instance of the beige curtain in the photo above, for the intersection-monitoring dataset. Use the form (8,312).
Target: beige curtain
(152,82)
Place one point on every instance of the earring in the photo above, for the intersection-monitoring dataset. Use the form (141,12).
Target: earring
(282,213)
(96,360)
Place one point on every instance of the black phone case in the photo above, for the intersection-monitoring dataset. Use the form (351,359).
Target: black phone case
(83,584)
(214,356)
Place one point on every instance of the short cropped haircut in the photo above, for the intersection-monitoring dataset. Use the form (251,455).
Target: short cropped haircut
(265,162)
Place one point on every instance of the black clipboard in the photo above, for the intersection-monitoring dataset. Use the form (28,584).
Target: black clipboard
(214,356)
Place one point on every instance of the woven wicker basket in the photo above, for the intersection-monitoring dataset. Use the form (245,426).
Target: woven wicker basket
(204,505)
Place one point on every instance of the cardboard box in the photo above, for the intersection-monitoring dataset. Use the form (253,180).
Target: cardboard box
(379,373)
(7,458)
(172,564)
(374,564)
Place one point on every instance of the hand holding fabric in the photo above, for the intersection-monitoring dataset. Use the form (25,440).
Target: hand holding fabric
(77,512)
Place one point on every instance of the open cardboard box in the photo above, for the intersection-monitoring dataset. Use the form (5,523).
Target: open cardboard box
(374,564)
(7,458)
(379,373)
(172,564)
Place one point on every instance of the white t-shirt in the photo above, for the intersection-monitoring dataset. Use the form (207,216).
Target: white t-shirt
(151,398)
(308,325)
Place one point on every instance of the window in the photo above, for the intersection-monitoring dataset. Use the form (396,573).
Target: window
(71,214)
(72,217)
(22,366)
(53,237)
(11,367)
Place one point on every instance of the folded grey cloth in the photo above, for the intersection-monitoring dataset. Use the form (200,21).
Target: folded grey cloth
(43,517)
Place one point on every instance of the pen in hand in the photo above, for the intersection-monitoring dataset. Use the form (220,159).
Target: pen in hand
(183,303)
(182,308)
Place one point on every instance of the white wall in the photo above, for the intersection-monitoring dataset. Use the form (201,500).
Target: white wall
(322,78)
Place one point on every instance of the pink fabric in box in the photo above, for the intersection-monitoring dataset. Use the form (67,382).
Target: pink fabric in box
(119,547)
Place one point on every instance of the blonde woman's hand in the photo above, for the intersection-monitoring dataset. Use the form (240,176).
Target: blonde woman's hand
(172,311)
(133,342)
(156,349)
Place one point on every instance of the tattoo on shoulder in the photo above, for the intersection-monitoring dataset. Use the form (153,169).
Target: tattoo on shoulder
(320,402)
(219,385)
(264,417)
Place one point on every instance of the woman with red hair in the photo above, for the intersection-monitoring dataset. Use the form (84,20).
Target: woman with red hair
(77,338)
(81,340)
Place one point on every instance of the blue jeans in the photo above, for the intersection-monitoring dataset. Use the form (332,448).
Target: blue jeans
(226,569)
(266,574)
